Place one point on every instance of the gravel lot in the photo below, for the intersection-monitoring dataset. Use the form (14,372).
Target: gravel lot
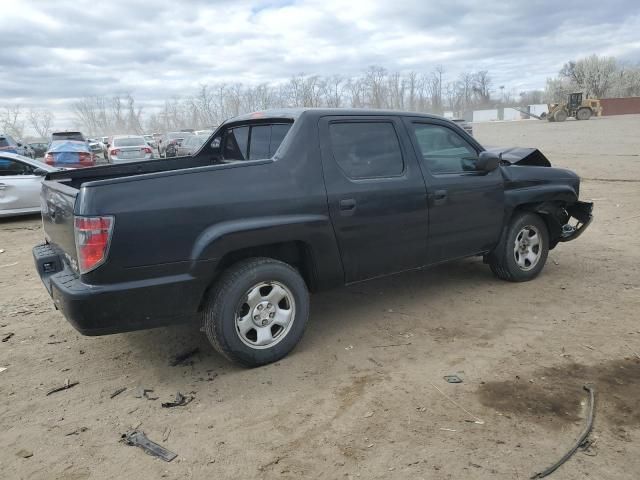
(363,394)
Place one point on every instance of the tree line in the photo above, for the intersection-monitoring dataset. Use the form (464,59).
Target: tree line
(376,87)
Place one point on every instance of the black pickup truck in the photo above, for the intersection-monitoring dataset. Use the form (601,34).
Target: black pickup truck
(280,203)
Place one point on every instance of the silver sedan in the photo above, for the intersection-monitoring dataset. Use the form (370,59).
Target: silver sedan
(20,184)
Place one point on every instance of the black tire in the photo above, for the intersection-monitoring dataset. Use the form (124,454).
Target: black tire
(583,114)
(230,295)
(503,261)
(560,116)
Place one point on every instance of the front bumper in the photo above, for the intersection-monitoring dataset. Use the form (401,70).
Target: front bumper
(116,308)
(581,211)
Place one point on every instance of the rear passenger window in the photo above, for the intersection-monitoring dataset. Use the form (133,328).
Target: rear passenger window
(366,149)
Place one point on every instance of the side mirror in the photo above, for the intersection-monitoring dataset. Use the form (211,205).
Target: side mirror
(488,161)
(19,144)
(41,172)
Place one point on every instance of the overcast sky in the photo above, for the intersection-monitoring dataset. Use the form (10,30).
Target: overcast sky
(52,51)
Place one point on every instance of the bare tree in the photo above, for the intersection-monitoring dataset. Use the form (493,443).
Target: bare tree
(11,120)
(593,75)
(41,121)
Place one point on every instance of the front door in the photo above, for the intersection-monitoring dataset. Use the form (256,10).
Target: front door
(19,187)
(376,195)
(466,206)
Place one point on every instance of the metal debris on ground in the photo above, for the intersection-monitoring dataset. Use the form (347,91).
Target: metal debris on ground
(2,369)
(142,392)
(117,392)
(8,336)
(453,379)
(180,401)
(77,431)
(181,358)
(475,419)
(22,453)
(67,385)
(139,439)
(581,440)
(392,345)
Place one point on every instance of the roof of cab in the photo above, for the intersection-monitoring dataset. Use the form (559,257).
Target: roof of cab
(295,113)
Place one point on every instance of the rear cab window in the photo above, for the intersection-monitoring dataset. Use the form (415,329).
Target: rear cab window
(252,142)
(78,136)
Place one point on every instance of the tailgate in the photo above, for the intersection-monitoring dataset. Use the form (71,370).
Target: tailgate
(58,202)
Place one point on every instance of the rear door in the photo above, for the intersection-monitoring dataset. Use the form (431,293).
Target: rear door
(376,194)
(466,206)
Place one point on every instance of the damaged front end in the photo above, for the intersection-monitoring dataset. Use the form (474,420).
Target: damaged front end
(582,212)
(521,156)
(559,220)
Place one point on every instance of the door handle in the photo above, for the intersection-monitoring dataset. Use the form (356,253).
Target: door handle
(347,206)
(439,197)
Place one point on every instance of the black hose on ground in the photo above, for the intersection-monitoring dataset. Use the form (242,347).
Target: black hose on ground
(581,440)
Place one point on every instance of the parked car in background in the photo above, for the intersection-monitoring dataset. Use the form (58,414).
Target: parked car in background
(169,141)
(203,132)
(76,136)
(69,154)
(151,141)
(97,148)
(191,145)
(466,126)
(20,184)
(29,151)
(11,145)
(39,148)
(129,148)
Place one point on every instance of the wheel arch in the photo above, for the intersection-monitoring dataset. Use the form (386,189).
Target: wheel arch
(298,240)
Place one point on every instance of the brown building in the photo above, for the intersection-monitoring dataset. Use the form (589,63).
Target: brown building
(620,106)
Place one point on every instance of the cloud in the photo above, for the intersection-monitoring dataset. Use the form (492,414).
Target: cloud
(58,51)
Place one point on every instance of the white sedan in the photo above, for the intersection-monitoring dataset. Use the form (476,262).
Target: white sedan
(20,184)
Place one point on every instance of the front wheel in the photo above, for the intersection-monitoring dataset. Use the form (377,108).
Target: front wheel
(583,114)
(257,311)
(522,253)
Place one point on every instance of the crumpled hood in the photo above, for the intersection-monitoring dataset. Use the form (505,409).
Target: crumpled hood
(521,156)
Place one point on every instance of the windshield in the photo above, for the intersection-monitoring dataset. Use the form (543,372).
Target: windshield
(128,142)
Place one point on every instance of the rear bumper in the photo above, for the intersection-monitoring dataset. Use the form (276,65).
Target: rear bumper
(116,308)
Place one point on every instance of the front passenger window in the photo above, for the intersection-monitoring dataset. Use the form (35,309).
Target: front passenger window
(444,150)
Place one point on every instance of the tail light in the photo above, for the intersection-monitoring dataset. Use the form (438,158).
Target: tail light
(85,157)
(93,235)
(115,152)
(147,150)
(48,159)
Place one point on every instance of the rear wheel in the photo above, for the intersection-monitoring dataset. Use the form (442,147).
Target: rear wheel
(583,114)
(521,254)
(560,116)
(257,312)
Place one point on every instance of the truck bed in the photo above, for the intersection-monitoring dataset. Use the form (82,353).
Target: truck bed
(75,178)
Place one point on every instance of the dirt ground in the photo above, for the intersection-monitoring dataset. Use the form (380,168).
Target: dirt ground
(363,395)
